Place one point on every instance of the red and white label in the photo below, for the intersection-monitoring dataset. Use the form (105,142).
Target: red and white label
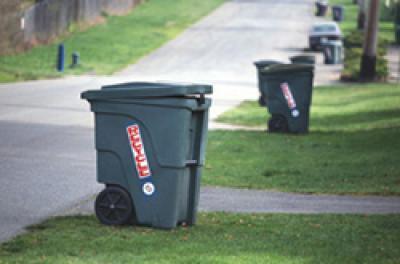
(287,93)
(139,155)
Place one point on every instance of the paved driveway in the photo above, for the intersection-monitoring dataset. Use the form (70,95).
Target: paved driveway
(47,157)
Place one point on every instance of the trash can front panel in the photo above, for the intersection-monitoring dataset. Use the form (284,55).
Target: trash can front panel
(153,148)
(290,95)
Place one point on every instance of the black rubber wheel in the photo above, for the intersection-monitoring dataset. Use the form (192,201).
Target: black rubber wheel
(113,206)
(261,101)
(278,123)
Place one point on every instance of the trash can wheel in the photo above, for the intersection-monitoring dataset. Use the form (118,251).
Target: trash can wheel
(278,123)
(113,206)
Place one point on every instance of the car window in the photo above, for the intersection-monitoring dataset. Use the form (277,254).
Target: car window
(324,28)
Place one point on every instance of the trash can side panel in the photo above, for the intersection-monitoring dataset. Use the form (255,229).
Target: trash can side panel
(198,138)
(110,169)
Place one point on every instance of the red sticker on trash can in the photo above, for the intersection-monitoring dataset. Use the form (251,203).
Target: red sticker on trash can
(288,95)
(139,154)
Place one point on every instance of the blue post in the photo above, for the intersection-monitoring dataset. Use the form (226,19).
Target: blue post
(61,57)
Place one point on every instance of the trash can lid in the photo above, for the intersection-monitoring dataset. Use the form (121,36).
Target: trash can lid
(263,63)
(146,89)
(287,68)
(303,56)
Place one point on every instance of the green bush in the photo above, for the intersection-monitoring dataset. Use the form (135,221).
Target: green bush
(355,39)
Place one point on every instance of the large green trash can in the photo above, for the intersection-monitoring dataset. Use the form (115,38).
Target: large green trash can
(288,90)
(150,141)
(333,52)
(261,65)
(303,59)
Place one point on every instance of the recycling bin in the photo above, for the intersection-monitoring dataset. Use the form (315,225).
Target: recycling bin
(288,89)
(338,13)
(150,140)
(397,24)
(303,59)
(333,52)
(261,65)
(322,8)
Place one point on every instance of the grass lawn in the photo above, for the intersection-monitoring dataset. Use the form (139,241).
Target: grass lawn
(218,238)
(353,146)
(386,28)
(113,45)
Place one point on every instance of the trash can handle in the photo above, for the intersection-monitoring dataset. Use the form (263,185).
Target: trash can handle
(202,99)
(192,163)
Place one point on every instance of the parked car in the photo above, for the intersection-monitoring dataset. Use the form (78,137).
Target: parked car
(323,32)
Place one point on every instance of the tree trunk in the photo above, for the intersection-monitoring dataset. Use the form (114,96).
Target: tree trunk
(368,62)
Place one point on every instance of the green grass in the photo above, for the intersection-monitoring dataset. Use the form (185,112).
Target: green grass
(218,238)
(352,148)
(110,46)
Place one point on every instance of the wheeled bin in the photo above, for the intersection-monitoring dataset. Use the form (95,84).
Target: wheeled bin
(288,89)
(322,8)
(303,59)
(150,142)
(397,24)
(261,65)
(333,52)
(337,13)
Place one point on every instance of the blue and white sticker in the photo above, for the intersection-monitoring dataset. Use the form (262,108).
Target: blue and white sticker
(148,188)
(295,113)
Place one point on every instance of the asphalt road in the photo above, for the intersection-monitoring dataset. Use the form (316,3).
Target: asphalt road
(47,157)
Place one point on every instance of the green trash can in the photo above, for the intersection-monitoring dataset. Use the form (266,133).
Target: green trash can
(338,13)
(397,24)
(150,142)
(303,59)
(333,52)
(261,65)
(397,32)
(322,8)
(288,90)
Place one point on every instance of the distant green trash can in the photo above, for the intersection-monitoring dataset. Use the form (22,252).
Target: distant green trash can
(338,13)
(397,24)
(261,65)
(288,90)
(333,52)
(322,8)
(303,59)
(150,142)
(397,33)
